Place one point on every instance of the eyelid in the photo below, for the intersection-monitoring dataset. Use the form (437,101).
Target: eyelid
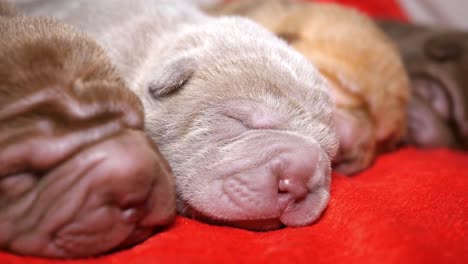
(238,119)
(251,115)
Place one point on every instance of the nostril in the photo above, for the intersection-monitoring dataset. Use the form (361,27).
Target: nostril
(133,215)
(134,208)
(297,189)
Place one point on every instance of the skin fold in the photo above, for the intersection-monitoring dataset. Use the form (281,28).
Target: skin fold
(243,119)
(78,175)
(437,62)
(369,86)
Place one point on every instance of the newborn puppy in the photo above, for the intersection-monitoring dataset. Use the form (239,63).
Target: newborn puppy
(78,176)
(369,84)
(437,61)
(244,120)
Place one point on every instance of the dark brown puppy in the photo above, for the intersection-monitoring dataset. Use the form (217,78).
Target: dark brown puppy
(78,176)
(437,62)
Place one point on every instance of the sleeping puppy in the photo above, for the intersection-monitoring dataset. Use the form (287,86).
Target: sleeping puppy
(369,85)
(244,120)
(78,176)
(437,61)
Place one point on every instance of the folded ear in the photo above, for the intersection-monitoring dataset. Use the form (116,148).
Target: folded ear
(171,76)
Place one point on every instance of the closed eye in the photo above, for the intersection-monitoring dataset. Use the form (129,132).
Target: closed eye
(239,120)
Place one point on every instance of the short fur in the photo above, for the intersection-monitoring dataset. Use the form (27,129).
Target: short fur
(223,98)
(369,84)
(74,159)
(437,61)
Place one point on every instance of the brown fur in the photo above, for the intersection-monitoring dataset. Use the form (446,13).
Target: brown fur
(437,62)
(369,84)
(73,157)
(6,9)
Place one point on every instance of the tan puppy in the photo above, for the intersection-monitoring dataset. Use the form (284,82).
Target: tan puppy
(78,176)
(369,84)
(244,120)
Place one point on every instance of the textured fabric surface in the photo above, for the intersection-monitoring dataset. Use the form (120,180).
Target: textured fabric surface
(411,206)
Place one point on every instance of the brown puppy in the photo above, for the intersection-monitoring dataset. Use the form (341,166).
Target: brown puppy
(78,176)
(437,61)
(369,84)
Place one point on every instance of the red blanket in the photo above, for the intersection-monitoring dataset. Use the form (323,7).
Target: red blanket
(410,207)
(375,8)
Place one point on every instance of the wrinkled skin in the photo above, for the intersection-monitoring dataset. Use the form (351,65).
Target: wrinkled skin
(78,176)
(369,86)
(244,121)
(437,61)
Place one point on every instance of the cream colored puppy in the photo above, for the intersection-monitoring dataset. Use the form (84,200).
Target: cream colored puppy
(369,83)
(244,120)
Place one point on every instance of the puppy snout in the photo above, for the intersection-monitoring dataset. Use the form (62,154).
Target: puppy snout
(303,182)
(146,172)
(294,170)
(288,187)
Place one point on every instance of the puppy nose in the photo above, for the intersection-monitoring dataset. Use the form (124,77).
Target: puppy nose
(295,170)
(296,187)
(303,181)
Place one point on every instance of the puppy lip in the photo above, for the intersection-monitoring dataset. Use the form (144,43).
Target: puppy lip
(263,224)
(138,235)
(295,215)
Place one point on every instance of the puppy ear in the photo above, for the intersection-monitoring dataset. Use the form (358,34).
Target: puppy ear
(171,76)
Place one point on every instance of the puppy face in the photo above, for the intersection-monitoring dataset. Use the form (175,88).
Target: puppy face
(244,120)
(246,125)
(437,62)
(74,160)
(368,83)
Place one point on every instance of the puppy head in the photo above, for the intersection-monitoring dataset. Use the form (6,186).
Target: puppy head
(437,61)
(231,105)
(368,81)
(369,84)
(74,159)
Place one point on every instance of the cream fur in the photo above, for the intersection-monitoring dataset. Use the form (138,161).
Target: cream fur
(368,80)
(188,68)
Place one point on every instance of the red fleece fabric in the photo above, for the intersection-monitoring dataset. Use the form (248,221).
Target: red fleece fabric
(376,8)
(411,206)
